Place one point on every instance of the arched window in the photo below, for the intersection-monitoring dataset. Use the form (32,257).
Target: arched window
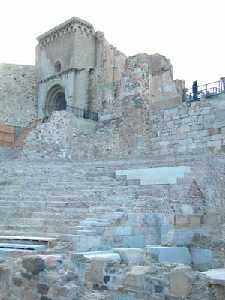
(58,66)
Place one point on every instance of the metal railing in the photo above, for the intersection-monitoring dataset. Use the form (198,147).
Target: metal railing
(205,91)
(83,113)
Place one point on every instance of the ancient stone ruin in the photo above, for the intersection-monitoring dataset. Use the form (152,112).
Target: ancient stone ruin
(112,176)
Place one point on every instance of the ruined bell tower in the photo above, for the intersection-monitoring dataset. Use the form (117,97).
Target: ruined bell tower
(65,56)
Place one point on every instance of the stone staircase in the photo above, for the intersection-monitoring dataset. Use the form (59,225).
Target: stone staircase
(51,198)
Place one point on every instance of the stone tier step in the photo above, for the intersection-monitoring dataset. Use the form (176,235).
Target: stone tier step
(51,197)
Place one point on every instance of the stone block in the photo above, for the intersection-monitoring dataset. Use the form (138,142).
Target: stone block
(181,236)
(211,219)
(95,272)
(216,276)
(201,258)
(105,256)
(134,241)
(187,209)
(182,220)
(135,279)
(5,288)
(180,282)
(91,265)
(179,255)
(195,220)
(82,244)
(23,246)
(122,230)
(131,256)
(52,261)
(160,175)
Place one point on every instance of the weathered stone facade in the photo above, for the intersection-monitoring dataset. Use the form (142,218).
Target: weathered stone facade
(87,77)
(116,191)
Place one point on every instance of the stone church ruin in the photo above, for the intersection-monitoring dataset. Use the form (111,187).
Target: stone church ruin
(112,176)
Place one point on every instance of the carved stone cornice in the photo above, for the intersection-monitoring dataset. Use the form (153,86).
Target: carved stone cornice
(72,25)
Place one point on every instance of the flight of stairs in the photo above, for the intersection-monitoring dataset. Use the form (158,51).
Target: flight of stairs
(50,198)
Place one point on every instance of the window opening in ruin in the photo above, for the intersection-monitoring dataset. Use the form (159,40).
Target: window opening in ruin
(55,100)
(58,66)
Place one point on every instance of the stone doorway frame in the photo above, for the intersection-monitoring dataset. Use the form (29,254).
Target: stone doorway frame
(55,93)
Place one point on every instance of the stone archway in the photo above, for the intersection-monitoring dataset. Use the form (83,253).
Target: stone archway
(55,100)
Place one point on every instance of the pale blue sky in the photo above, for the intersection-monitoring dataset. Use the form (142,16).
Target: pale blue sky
(190,33)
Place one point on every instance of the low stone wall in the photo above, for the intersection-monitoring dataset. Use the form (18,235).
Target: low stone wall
(138,132)
(197,128)
(105,276)
(17,94)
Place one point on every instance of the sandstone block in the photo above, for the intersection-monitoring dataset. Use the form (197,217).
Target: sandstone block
(135,279)
(195,220)
(180,282)
(182,220)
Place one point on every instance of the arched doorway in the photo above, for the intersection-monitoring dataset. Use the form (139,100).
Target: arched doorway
(55,99)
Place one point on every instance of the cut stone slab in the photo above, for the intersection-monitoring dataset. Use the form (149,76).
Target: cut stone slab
(181,236)
(23,247)
(160,175)
(179,255)
(106,256)
(83,244)
(11,252)
(50,241)
(202,258)
(135,279)
(91,265)
(95,272)
(180,282)
(216,276)
(131,256)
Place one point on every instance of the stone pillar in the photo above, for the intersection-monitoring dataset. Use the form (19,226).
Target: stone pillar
(81,88)
(99,49)
(69,84)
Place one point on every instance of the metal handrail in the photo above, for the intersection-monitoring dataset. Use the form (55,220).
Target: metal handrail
(205,91)
(83,113)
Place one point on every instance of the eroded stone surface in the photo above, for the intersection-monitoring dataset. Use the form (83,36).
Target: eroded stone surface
(116,162)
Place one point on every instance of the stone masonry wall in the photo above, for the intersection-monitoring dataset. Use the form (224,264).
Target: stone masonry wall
(139,132)
(104,79)
(146,119)
(17,94)
(195,129)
